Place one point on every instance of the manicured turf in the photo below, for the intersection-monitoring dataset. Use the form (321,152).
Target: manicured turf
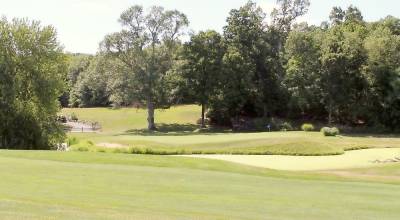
(281,143)
(178,135)
(93,185)
(128,119)
(53,185)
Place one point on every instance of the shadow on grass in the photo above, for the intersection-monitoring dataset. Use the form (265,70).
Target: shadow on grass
(177,130)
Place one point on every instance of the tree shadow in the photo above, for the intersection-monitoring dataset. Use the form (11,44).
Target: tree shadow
(177,130)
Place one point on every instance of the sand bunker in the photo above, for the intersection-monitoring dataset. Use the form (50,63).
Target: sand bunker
(351,159)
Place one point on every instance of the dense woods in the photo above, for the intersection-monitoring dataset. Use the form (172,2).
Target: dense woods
(344,71)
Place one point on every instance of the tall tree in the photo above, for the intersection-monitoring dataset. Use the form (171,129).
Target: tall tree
(383,71)
(145,46)
(283,18)
(32,70)
(337,15)
(286,13)
(353,14)
(246,33)
(243,36)
(202,66)
(342,58)
(90,88)
(303,72)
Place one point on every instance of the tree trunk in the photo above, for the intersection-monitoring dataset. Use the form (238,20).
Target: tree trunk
(265,110)
(3,142)
(150,115)
(330,114)
(203,110)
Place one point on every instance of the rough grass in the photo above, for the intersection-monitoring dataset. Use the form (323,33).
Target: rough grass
(73,185)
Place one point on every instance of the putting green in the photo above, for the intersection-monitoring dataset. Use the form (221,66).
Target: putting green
(351,159)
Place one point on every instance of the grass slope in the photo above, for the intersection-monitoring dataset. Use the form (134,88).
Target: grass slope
(178,135)
(115,186)
(131,119)
(274,143)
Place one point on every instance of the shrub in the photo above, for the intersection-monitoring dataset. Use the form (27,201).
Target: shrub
(82,148)
(136,150)
(307,127)
(72,141)
(61,118)
(286,126)
(326,131)
(73,117)
(101,150)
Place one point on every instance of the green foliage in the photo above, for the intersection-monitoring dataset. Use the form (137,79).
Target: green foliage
(349,68)
(307,127)
(201,67)
(32,69)
(327,131)
(346,71)
(146,47)
(77,66)
(303,72)
(72,141)
(286,126)
(81,148)
(91,87)
(73,116)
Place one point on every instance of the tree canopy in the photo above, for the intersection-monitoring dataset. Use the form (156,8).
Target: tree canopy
(32,70)
(145,46)
(344,71)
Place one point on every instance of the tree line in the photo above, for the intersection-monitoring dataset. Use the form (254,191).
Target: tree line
(345,70)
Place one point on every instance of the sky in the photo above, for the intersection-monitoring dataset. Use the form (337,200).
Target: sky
(82,24)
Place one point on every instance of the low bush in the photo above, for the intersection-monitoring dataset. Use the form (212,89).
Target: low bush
(307,127)
(330,132)
(286,126)
(101,150)
(72,141)
(81,148)
(61,118)
(73,117)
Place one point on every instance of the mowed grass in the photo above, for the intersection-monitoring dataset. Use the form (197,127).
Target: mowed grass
(178,135)
(75,185)
(123,120)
